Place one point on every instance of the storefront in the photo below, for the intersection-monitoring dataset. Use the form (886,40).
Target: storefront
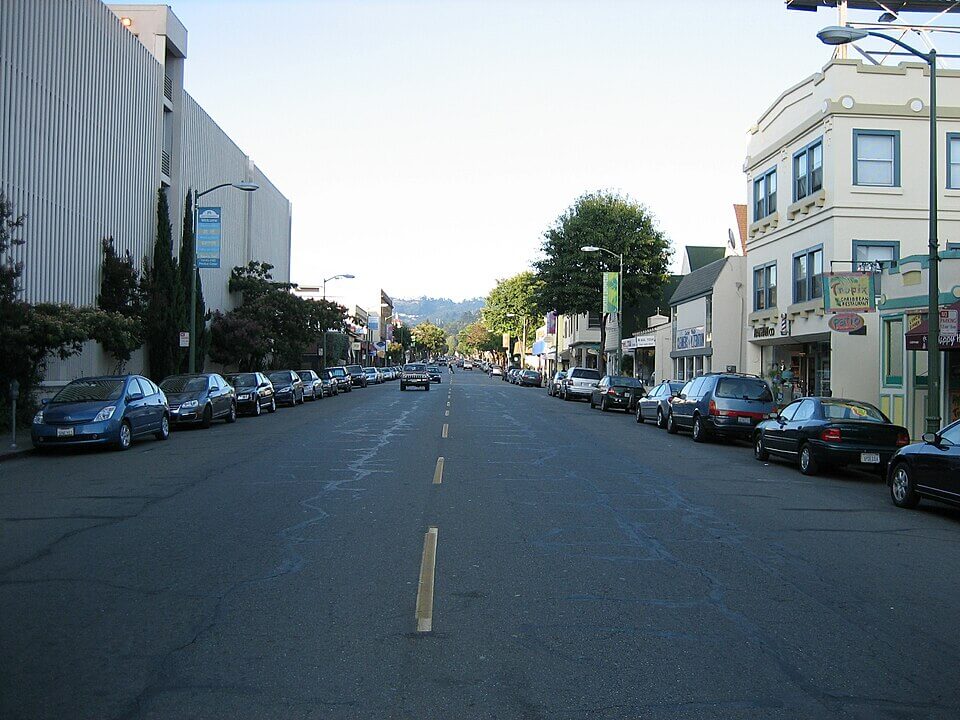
(916,344)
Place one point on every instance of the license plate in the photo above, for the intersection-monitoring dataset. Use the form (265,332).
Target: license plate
(870,458)
(64,432)
(745,420)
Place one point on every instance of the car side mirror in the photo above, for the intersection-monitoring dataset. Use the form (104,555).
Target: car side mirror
(680,396)
(44,401)
(132,397)
(931,438)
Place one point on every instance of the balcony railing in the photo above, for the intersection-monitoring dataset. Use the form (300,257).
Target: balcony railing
(168,88)
(165,162)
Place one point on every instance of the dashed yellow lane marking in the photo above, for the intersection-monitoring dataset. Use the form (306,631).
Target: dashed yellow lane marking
(438,473)
(446,427)
(428,565)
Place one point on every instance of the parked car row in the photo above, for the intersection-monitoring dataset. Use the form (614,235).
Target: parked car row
(117,409)
(814,433)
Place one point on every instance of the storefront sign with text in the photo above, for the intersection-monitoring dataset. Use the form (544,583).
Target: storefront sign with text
(846,322)
(848,292)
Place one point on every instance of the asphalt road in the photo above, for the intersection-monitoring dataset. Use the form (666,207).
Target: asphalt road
(585,567)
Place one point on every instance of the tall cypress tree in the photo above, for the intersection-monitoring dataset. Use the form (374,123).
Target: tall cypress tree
(164,299)
(188,249)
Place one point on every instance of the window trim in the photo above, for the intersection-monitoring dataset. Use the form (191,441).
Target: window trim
(793,274)
(895,134)
(766,288)
(763,182)
(892,380)
(951,136)
(805,150)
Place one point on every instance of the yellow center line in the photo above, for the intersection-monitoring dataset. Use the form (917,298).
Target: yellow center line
(446,427)
(438,473)
(428,564)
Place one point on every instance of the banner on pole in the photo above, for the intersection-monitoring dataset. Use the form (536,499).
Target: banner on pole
(551,322)
(209,235)
(611,292)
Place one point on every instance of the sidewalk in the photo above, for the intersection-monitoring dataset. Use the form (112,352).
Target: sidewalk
(23,447)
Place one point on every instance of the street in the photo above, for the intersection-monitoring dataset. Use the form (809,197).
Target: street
(585,567)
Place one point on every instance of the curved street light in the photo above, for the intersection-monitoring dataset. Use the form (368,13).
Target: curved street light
(619,350)
(341,276)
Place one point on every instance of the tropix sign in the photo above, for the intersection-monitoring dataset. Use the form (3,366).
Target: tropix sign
(209,235)
(691,338)
(846,322)
(848,292)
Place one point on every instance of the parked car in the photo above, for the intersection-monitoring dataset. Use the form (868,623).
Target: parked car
(435,373)
(507,371)
(819,431)
(721,404)
(656,404)
(357,377)
(107,410)
(579,383)
(496,371)
(467,365)
(553,385)
(287,387)
(330,385)
(312,384)
(372,375)
(254,393)
(928,469)
(415,374)
(343,378)
(530,378)
(199,399)
(616,391)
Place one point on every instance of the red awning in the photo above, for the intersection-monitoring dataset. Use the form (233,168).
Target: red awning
(916,338)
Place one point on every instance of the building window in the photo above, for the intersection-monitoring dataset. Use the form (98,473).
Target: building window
(875,256)
(593,319)
(765,194)
(808,170)
(876,158)
(765,287)
(807,275)
(708,321)
(953,161)
(893,351)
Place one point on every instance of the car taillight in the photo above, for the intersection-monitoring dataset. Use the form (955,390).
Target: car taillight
(670,400)
(903,439)
(712,407)
(831,435)
(611,391)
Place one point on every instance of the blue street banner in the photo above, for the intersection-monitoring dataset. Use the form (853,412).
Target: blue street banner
(373,322)
(209,234)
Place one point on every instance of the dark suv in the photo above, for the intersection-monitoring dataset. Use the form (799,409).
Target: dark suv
(357,376)
(723,404)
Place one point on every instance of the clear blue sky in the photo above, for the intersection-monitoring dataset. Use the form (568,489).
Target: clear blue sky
(427,145)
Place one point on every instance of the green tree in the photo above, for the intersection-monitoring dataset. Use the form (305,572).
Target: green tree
(238,341)
(164,312)
(509,302)
(570,279)
(429,337)
(121,332)
(475,338)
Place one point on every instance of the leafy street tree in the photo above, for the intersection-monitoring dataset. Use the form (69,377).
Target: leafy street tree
(509,301)
(429,337)
(238,341)
(188,264)
(571,279)
(164,312)
(121,295)
(475,339)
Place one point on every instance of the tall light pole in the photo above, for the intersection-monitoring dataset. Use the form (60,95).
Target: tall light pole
(192,350)
(343,276)
(842,35)
(619,351)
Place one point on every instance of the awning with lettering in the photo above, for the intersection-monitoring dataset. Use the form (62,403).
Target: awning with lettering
(916,337)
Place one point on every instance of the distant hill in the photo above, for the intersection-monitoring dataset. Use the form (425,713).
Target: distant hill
(439,311)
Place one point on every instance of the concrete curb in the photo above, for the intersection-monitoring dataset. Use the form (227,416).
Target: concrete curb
(21,451)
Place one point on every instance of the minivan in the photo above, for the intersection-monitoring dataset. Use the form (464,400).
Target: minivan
(721,404)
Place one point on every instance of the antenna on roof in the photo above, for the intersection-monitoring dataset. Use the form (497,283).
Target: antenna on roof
(731,242)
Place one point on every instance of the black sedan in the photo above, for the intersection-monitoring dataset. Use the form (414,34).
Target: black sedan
(819,431)
(435,373)
(529,378)
(656,405)
(929,469)
(254,393)
(287,387)
(199,399)
(616,391)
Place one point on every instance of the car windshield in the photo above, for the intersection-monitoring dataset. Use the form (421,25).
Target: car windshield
(246,380)
(184,384)
(585,374)
(675,387)
(354,369)
(89,391)
(414,367)
(279,377)
(434,368)
(744,389)
(850,410)
(624,381)
(337,372)
(306,374)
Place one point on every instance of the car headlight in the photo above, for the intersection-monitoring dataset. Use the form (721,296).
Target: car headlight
(38,418)
(106,413)
(190,404)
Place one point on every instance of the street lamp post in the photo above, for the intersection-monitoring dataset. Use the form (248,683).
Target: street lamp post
(842,35)
(344,276)
(192,350)
(619,351)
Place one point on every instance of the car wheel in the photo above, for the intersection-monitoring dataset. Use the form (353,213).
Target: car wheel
(671,425)
(759,449)
(207,417)
(273,405)
(256,408)
(806,461)
(164,432)
(592,405)
(661,422)
(603,405)
(125,436)
(232,415)
(427,386)
(699,432)
(639,415)
(402,387)
(902,490)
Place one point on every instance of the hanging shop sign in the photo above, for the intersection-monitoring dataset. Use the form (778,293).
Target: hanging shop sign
(848,292)
(646,341)
(691,338)
(846,322)
(949,337)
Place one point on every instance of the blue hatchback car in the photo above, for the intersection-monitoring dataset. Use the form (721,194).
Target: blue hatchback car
(109,410)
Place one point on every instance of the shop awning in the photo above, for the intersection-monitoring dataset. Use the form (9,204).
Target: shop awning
(916,337)
(539,347)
